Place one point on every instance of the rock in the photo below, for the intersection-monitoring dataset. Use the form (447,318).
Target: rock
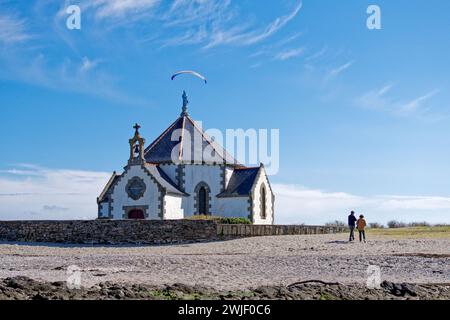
(26,288)
(59,283)
(119,294)
(388,286)
(268,292)
(183,288)
(19,282)
(39,297)
(409,289)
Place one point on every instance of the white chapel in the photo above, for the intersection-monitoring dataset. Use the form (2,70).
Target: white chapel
(184,173)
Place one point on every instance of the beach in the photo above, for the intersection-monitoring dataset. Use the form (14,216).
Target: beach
(240,264)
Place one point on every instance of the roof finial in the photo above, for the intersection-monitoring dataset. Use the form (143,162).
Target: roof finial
(136,127)
(185,104)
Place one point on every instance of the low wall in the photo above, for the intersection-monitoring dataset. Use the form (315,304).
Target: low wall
(142,231)
(109,231)
(229,230)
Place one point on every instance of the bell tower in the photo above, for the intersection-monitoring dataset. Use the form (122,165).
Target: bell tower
(136,147)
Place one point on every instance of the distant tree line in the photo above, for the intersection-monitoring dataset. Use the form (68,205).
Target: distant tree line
(393,224)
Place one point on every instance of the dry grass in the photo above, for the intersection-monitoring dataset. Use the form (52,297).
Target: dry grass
(414,232)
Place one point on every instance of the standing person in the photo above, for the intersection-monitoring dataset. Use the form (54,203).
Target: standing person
(351,225)
(361,225)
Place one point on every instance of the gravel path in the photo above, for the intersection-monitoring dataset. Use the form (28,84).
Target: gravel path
(237,264)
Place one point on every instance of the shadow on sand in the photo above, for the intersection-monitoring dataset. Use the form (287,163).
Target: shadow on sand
(338,242)
(113,245)
(96,245)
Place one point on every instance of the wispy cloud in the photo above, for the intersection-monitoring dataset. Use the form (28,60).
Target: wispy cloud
(289,39)
(317,55)
(220,37)
(189,13)
(68,76)
(88,64)
(418,103)
(209,23)
(297,204)
(12,29)
(290,53)
(333,73)
(33,192)
(379,99)
(278,51)
(189,37)
(122,8)
(215,23)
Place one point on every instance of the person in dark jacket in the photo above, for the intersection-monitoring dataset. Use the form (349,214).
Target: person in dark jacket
(351,225)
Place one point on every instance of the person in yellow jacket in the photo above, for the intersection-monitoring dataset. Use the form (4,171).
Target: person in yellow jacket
(361,226)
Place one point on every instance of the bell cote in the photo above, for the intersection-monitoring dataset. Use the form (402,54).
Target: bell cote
(136,147)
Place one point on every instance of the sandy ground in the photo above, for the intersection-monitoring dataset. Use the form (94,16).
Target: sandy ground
(237,264)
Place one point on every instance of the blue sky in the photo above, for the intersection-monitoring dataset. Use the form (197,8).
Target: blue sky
(363,114)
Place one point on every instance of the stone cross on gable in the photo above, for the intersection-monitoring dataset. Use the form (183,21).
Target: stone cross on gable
(137,127)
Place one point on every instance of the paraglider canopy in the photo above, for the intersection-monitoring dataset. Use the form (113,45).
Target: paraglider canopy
(190,72)
(185,99)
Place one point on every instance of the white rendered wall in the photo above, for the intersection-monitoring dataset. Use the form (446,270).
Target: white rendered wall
(120,197)
(256,201)
(228,173)
(173,207)
(233,207)
(194,174)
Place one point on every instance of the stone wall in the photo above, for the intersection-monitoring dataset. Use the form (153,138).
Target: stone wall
(242,230)
(142,231)
(109,231)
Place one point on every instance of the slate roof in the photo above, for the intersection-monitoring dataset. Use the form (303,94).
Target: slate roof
(156,172)
(164,180)
(241,182)
(189,132)
(110,183)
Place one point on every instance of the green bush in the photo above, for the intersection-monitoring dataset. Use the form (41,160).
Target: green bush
(396,224)
(221,219)
(234,221)
(203,217)
(418,224)
(376,225)
(336,223)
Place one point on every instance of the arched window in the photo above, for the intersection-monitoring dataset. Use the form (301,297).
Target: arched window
(263,205)
(202,199)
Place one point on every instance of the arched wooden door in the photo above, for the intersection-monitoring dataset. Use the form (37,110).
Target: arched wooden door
(136,214)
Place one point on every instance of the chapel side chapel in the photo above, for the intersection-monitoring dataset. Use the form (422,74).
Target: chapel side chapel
(184,173)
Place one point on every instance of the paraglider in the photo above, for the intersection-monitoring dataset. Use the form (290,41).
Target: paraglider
(196,74)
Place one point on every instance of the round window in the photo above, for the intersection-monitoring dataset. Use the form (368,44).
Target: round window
(135,188)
